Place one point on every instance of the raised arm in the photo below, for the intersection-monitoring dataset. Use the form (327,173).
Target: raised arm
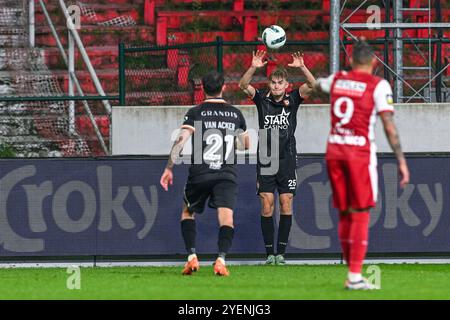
(257,62)
(394,141)
(322,86)
(298,62)
(167,176)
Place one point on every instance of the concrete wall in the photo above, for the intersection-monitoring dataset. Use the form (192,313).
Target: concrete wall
(151,130)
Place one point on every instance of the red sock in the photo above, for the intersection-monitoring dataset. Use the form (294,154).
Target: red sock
(359,235)
(344,235)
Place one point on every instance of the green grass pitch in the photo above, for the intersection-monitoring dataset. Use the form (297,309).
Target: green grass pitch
(401,281)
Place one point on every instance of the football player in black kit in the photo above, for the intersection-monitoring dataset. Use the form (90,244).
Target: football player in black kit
(277,113)
(218,128)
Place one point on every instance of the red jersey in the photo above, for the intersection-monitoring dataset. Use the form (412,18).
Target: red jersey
(356,99)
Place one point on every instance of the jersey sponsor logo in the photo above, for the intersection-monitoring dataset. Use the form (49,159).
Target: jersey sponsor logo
(359,141)
(344,131)
(215,165)
(215,113)
(279,121)
(349,88)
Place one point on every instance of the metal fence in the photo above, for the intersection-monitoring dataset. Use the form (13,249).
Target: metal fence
(34,105)
(39,117)
(415,31)
(171,75)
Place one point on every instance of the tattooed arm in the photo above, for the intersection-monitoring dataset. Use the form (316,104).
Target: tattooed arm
(167,176)
(178,147)
(394,141)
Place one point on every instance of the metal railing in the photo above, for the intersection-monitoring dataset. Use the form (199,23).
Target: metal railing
(401,81)
(31,24)
(74,39)
(188,62)
(215,54)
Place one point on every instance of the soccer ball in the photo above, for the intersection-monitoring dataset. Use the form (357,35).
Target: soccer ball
(274,37)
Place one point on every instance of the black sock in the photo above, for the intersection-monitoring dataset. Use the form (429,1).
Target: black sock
(267,230)
(226,234)
(188,231)
(283,232)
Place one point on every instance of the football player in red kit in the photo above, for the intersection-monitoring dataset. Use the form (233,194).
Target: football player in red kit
(357,97)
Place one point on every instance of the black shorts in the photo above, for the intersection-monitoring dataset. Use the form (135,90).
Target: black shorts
(285,180)
(221,194)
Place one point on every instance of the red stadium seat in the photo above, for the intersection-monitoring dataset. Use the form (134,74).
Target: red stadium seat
(149,12)
(250,28)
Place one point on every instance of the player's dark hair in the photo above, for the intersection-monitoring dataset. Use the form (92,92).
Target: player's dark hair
(279,72)
(212,83)
(362,53)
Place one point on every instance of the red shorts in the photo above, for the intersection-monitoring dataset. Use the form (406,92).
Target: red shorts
(354,183)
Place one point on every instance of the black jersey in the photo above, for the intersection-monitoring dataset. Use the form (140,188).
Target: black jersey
(281,116)
(216,125)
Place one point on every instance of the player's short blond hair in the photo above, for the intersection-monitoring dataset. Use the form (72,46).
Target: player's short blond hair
(279,72)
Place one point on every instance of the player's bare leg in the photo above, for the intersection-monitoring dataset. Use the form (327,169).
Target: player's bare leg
(188,230)
(267,224)
(226,233)
(284,227)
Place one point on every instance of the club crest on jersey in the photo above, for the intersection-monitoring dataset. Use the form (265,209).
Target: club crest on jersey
(279,121)
(286,102)
(389,99)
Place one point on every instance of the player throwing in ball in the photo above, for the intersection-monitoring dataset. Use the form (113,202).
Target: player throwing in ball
(277,113)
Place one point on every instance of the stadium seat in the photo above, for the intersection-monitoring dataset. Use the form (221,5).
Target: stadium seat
(149,12)
(162,23)
(250,28)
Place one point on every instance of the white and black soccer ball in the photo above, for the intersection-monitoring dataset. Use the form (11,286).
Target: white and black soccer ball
(274,37)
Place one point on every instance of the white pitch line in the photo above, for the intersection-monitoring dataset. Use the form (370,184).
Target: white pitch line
(210,262)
